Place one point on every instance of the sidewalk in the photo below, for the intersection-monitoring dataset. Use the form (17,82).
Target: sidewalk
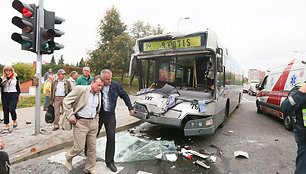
(22,144)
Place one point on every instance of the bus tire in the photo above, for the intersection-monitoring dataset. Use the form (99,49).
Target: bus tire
(239,101)
(288,122)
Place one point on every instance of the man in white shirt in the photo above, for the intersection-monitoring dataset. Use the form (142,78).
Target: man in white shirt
(72,78)
(59,89)
(82,107)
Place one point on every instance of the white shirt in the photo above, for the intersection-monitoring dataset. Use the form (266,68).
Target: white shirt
(90,109)
(72,82)
(105,91)
(60,89)
(10,85)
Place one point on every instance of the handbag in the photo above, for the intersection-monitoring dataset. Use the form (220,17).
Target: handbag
(49,116)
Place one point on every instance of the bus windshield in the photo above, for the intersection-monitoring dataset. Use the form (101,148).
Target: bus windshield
(183,72)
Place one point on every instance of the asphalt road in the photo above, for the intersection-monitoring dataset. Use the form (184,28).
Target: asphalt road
(271,148)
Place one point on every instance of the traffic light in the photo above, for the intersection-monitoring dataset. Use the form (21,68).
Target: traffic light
(28,24)
(47,34)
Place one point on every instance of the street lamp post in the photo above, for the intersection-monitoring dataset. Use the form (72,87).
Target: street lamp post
(178,22)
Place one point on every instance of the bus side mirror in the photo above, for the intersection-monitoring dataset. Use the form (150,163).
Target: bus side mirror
(219,55)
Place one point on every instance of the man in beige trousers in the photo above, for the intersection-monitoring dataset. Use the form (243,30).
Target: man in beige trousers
(82,106)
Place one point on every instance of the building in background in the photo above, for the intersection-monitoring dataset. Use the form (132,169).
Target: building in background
(255,75)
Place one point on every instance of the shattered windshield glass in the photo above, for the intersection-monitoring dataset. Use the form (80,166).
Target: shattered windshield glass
(131,148)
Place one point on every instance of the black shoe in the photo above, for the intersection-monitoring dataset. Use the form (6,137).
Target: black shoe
(112,167)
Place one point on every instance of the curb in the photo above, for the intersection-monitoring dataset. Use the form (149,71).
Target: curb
(65,144)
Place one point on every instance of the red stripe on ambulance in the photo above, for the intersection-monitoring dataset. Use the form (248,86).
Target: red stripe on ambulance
(280,85)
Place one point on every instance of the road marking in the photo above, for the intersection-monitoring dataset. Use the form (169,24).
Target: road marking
(246,100)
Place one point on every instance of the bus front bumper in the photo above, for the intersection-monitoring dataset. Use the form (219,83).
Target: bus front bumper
(195,127)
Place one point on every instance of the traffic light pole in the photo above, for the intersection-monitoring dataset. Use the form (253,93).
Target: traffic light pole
(40,24)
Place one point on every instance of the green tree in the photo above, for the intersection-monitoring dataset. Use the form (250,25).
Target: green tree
(82,63)
(52,61)
(61,60)
(1,68)
(110,28)
(140,30)
(121,50)
(25,71)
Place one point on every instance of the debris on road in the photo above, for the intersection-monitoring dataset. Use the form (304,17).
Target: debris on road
(212,159)
(33,149)
(196,153)
(241,154)
(28,122)
(230,131)
(159,138)
(142,172)
(202,164)
(171,157)
(185,153)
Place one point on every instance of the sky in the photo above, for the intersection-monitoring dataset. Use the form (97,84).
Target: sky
(259,34)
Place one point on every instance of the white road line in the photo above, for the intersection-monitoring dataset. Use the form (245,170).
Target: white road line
(246,100)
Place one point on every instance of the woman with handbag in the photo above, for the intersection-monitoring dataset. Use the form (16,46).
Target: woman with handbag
(10,95)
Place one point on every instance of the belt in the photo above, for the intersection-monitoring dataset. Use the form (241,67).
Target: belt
(78,117)
(87,118)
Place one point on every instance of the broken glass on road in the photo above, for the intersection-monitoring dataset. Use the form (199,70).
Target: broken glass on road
(130,148)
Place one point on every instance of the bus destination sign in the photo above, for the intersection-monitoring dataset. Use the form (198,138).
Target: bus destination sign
(187,42)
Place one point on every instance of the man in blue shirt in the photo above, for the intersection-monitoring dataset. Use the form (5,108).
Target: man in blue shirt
(110,92)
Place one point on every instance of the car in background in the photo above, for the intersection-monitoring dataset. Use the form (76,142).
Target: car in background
(253,89)
(246,88)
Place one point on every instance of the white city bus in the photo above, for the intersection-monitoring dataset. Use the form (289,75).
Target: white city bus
(186,80)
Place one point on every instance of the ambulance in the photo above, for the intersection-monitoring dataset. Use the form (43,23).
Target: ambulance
(275,87)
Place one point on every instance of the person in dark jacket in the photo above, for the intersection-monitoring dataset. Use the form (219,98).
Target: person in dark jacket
(296,103)
(10,95)
(110,92)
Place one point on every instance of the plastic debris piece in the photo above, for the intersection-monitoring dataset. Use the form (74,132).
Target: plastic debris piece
(142,172)
(241,154)
(186,154)
(230,131)
(172,167)
(28,122)
(275,139)
(202,106)
(159,156)
(159,138)
(171,157)
(212,159)
(195,153)
(202,164)
(33,149)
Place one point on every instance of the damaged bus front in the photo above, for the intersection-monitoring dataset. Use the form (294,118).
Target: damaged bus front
(187,81)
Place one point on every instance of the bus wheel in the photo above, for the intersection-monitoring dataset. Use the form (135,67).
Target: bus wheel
(288,122)
(239,101)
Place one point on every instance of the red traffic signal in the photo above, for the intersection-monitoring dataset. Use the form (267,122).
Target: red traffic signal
(28,24)
(25,9)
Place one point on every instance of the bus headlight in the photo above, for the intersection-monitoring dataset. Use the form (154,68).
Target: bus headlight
(208,122)
(200,124)
(140,108)
(192,124)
